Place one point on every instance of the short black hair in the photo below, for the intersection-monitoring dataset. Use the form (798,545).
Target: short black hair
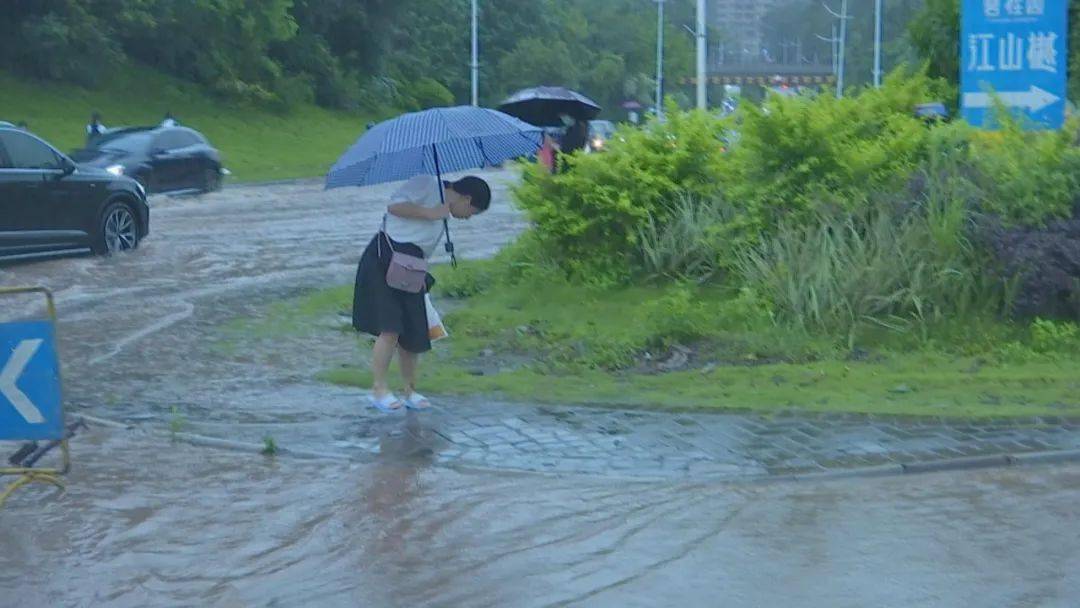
(476,189)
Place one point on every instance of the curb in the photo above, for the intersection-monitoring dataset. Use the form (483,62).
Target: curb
(887,470)
(967,463)
(297,181)
(215,442)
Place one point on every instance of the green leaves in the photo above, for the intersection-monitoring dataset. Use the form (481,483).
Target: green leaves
(592,215)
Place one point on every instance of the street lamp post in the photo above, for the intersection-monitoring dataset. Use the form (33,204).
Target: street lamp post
(702,94)
(475,65)
(832,40)
(660,59)
(843,17)
(877,43)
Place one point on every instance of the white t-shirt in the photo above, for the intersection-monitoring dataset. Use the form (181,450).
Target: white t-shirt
(421,190)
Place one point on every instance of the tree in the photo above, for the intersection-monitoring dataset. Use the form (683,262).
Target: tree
(935,34)
(58,40)
(347,53)
(538,62)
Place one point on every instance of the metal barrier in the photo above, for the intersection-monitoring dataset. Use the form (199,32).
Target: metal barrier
(33,410)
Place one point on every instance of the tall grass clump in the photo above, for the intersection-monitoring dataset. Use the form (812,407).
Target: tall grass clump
(690,241)
(904,269)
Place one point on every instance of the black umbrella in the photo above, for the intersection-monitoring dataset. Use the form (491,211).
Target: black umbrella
(541,106)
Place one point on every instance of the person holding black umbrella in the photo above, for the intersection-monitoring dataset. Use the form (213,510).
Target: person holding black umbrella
(577,134)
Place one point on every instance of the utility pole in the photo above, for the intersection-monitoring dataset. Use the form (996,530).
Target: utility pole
(843,17)
(702,91)
(832,46)
(877,43)
(659,59)
(475,56)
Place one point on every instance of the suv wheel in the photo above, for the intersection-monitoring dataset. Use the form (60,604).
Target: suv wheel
(211,180)
(118,231)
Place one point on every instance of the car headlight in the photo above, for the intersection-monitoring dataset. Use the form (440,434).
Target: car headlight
(115,169)
(598,143)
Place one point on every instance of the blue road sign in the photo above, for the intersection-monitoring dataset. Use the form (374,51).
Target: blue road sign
(30,406)
(1014,50)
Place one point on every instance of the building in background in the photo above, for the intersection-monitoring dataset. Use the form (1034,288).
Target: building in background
(740,24)
(749,52)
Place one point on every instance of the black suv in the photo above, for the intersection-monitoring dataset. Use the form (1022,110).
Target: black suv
(162,159)
(49,205)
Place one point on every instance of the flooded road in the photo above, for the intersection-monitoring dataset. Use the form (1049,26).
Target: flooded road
(149,522)
(194,527)
(137,331)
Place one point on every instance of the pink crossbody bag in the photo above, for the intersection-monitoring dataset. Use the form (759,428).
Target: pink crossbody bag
(406,272)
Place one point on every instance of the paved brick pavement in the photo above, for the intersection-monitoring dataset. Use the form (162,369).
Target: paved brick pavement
(634,443)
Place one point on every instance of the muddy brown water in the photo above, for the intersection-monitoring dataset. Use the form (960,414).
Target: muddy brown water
(138,332)
(156,524)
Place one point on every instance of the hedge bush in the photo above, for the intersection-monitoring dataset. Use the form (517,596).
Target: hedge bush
(590,216)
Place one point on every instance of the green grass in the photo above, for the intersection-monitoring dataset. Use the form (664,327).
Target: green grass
(910,385)
(257,144)
(555,343)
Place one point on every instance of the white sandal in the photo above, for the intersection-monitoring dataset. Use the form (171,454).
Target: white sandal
(416,401)
(387,404)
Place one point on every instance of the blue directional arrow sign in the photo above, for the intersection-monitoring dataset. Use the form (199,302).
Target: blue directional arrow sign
(1014,51)
(30,404)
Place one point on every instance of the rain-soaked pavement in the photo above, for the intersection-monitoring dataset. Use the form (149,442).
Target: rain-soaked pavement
(141,341)
(639,513)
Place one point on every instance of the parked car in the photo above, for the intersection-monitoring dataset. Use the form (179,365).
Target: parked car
(162,159)
(600,131)
(50,205)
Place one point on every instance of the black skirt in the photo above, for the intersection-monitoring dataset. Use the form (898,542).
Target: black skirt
(379,308)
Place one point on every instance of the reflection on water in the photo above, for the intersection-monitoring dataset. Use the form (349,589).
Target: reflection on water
(150,524)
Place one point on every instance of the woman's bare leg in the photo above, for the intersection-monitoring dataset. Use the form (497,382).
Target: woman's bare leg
(383,353)
(409,363)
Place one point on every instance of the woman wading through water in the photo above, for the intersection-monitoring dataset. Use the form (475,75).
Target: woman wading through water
(413,226)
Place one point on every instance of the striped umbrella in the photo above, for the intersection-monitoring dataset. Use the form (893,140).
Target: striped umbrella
(436,141)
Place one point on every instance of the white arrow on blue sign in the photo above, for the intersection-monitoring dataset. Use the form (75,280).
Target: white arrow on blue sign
(1015,51)
(30,399)
(1032,100)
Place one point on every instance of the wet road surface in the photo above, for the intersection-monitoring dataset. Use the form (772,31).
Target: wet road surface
(141,340)
(197,527)
(137,331)
(147,522)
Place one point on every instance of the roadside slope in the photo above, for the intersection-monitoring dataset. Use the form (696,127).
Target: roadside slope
(258,145)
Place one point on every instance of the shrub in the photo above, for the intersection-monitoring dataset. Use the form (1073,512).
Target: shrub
(1028,177)
(1044,263)
(590,216)
(428,93)
(797,155)
(1050,337)
(679,316)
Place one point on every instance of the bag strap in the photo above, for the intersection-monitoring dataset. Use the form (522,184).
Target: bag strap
(389,243)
